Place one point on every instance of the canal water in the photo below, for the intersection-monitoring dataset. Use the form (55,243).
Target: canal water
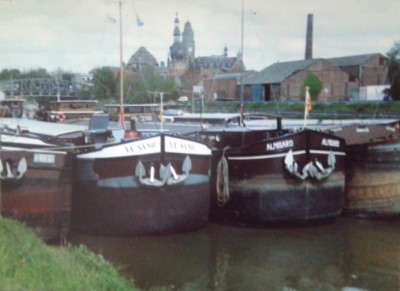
(344,253)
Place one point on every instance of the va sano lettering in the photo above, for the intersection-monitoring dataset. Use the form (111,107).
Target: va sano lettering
(141,147)
(182,145)
(278,145)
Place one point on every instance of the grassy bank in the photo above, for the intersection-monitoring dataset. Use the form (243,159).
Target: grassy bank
(26,263)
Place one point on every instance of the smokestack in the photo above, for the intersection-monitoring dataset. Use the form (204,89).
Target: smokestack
(309,37)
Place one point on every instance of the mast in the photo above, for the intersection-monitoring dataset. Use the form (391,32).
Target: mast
(161,110)
(242,69)
(121,70)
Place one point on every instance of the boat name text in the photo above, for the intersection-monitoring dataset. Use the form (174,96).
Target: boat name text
(44,158)
(330,142)
(141,147)
(278,145)
(181,145)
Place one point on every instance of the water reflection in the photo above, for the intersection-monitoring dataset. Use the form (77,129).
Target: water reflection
(373,253)
(348,252)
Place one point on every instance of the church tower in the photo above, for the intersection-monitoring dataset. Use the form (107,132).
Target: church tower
(177,31)
(188,41)
(181,52)
(177,50)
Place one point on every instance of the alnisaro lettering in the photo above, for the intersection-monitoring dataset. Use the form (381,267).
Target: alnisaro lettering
(281,144)
(330,142)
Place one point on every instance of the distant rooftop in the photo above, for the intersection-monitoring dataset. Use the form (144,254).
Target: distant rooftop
(280,71)
(351,60)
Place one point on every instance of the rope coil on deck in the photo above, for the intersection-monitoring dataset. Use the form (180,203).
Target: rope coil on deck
(222,184)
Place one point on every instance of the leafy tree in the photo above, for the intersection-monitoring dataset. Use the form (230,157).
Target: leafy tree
(16,74)
(33,74)
(8,74)
(314,83)
(394,71)
(104,83)
(140,87)
(85,94)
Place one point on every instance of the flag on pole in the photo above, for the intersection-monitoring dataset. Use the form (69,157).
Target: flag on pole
(111,19)
(139,22)
(307,106)
(308,102)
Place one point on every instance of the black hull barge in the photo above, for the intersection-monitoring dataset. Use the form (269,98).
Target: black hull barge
(145,186)
(271,176)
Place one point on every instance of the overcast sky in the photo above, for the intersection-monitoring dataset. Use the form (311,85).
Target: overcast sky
(79,35)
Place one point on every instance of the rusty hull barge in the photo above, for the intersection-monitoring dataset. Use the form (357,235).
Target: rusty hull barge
(372,170)
(36,175)
(40,194)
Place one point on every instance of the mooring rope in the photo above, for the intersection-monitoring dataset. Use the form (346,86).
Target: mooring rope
(222,184)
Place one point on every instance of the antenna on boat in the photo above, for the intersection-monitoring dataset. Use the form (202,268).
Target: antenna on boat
(58,85)
(1,181)
(161,110)
(121,70)
(161,115)
(242,69)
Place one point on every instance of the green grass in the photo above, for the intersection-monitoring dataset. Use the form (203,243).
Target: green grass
(26,263)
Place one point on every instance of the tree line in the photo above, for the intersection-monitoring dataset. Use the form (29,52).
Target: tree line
(140,86)
(9,74)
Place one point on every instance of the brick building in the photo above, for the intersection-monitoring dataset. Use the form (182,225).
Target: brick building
(341,77)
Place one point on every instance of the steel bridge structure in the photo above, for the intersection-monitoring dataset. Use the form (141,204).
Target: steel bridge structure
(38,87)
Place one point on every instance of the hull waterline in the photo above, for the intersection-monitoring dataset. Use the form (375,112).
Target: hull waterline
(148,186)
(291,178)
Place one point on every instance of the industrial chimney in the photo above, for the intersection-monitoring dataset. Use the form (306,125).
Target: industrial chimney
(309,37)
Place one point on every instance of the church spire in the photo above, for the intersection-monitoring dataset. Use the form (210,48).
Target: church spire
(177,32)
